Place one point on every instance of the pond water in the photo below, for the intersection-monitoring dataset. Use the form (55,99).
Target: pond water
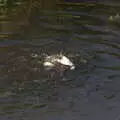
(91,91)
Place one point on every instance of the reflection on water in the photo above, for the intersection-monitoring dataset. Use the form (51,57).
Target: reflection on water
(89,38)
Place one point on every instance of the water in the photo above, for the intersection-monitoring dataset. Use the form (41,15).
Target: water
(89,92)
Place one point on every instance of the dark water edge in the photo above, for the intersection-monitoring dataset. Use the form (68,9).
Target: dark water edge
(90,92)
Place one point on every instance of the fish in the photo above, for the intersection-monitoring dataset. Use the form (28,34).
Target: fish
(52,61)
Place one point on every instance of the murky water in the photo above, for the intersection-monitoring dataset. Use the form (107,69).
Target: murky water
(87,34)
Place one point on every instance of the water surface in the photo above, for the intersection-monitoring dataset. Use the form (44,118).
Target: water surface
(93,34)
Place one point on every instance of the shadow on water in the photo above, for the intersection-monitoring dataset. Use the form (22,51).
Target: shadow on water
(89,37)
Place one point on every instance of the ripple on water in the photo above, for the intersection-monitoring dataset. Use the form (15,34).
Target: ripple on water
(92,43)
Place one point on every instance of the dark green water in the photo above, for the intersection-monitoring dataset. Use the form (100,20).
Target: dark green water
(92,33)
